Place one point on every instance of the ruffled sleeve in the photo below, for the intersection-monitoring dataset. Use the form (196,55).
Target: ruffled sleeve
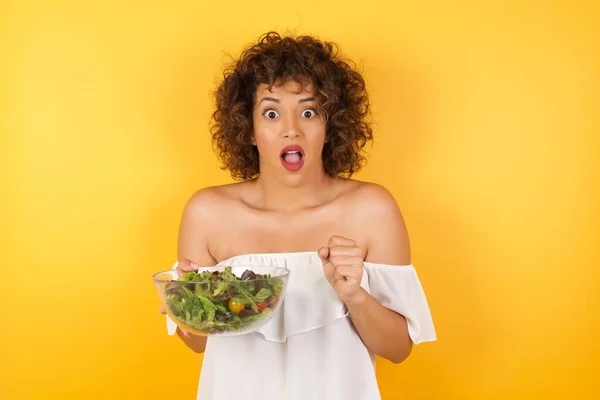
(398,288)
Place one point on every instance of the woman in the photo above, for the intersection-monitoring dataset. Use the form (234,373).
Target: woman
(290,123)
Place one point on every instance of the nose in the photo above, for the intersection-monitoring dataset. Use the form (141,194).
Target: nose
(290,128)
(291,133)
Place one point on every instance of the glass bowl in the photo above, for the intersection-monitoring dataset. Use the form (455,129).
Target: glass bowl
(222,300)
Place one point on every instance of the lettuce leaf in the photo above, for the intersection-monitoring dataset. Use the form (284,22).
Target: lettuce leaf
(208,307)
(227,275)
(220,288)
(262,295)
(193,308)
(175,304)
(276,285)
(221,308)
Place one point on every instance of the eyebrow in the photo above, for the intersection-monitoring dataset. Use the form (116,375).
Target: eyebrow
(305,100)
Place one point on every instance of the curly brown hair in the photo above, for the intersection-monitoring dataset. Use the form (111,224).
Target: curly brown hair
(340,93)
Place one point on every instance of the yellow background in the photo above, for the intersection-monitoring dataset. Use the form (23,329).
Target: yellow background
(487,134)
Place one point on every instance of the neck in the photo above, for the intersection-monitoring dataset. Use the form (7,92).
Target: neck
(279,195)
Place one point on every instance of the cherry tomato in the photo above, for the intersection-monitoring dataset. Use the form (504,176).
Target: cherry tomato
(235,307)
(261,306)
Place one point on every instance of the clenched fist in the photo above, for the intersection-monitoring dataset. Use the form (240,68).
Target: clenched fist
(343,267)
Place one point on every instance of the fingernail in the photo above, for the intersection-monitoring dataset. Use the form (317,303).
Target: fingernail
(186,334)
(194,265)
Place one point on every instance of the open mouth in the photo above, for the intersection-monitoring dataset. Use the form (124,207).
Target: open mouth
(292,158)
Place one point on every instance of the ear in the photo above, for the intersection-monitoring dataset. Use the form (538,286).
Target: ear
(253,141)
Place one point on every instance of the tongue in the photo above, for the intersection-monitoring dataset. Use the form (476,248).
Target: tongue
(291,158)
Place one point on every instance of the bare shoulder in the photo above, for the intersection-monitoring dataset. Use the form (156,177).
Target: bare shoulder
(369,200)
(381,222)
(201,215)
(213,200)
(371,196)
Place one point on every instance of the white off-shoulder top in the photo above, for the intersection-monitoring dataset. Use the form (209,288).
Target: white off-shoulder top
(309,349)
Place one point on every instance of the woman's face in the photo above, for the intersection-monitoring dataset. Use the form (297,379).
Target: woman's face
(288,131)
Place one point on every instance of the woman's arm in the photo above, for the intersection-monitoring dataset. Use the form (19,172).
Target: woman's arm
(383,331)
(192,248)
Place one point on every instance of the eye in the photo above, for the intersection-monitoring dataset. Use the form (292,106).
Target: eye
(271,114)
(309,113)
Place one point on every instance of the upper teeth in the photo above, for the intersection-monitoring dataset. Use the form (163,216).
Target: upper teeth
(291,152)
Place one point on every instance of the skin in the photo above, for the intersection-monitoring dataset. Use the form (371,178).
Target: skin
(346,221)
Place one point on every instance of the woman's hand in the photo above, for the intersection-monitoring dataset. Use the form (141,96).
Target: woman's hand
(343,267)
(185,333)
(185,266)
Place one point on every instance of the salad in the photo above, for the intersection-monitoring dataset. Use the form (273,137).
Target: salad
(219,301)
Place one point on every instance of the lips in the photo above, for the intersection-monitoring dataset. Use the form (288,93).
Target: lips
(292,157)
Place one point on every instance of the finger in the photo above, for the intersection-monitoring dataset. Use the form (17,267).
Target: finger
(340,241)
(345,261)
(328,267)
(324,254)
(185,333)
(345,251)
(162,310)
(349,274)
(187,266)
